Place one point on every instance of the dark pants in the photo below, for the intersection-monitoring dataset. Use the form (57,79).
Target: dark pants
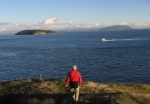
(74,90)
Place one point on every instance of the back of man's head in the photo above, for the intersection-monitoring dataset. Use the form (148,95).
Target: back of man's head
(74,67)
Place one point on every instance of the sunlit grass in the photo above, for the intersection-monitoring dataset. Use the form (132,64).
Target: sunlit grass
(120,93)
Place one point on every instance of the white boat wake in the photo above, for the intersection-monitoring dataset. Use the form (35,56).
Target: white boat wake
(130,39)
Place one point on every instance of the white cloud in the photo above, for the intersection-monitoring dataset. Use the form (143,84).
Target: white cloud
(13,27)
(96,25)
(71,23)
(2,29)
(124,23)
(50,21)
(55,21)
(142,25)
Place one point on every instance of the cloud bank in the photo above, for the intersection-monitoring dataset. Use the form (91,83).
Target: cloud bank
(57,24)
(60,24)
(63,24)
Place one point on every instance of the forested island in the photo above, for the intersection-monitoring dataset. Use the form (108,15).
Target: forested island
(34,32)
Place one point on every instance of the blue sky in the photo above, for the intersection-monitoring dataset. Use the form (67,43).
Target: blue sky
(81,13)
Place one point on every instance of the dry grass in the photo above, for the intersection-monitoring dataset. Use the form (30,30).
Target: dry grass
(122,93)
(46,91)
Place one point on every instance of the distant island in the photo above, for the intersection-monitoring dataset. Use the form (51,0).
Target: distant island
(34,32)
(116,28)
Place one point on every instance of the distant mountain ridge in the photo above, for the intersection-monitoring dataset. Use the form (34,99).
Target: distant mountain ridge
(116,28)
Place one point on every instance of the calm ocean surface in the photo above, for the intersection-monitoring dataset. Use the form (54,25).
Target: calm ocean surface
(124,57)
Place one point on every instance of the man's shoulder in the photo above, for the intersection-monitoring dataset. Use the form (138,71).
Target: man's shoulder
(71,71)
(78,72)
(74,71)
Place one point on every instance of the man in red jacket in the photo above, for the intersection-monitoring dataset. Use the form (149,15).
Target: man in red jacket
(75,80)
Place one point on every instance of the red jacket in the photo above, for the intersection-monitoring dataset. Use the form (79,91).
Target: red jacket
(74,75)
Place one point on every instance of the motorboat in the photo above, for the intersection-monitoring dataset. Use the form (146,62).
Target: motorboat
(103,39)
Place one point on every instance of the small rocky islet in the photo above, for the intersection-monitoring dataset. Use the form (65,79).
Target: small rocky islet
(35,32)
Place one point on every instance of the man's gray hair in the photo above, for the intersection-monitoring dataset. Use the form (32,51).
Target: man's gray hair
(74,66)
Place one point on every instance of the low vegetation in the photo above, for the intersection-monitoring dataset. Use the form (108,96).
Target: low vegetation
(38,91)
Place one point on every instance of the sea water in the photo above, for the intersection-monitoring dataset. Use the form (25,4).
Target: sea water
(123,58)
